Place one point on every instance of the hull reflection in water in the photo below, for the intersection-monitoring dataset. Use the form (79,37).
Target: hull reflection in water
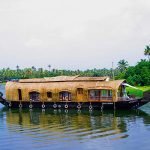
(49,126)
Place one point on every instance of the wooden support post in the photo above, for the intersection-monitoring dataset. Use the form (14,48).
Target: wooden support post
(114,105)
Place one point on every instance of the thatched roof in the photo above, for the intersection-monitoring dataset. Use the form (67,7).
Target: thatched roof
(63,79)
(65,85)
(68,84)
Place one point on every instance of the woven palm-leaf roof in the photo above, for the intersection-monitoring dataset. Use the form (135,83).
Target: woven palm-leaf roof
(63,79)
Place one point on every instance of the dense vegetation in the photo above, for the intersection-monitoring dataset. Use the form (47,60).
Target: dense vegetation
(135,75)
(139,91)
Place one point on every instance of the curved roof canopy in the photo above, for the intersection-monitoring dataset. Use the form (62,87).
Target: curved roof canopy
(63,79)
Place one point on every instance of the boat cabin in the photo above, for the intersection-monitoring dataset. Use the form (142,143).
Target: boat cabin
(66,89)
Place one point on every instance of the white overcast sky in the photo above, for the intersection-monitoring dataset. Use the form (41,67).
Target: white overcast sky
(73,34)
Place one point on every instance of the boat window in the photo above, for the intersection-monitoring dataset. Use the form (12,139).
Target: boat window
(34,96)
(80,91)
(104,93)
(94,94)
(49,94)
(65,96)
(19,94)
(100,94)
(109,93)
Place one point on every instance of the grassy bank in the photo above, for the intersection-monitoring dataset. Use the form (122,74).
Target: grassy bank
(138,92)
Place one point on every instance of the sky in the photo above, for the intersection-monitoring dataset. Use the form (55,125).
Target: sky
(73,34)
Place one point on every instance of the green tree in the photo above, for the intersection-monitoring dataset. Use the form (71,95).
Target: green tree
(122,65)
(139,74)
(17,67)
(147,52)
(33,68)
(49,66)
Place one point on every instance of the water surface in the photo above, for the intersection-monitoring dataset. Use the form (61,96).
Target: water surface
(72,130)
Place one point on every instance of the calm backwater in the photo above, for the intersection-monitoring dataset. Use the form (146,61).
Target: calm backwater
(74,130)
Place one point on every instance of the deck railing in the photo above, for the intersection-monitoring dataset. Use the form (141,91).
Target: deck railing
(100,98)
(125,98)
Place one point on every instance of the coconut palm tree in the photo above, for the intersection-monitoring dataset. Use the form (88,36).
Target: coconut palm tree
(17,67)
(49,66)
(33,68)
(122,65)
(147,52)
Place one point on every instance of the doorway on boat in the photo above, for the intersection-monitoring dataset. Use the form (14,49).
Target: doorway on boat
(34,96)
(65,96)
(49,96)
(19,94)
(122,93)
(80,95)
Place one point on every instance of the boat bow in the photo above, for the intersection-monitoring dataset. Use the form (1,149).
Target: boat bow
(2,100)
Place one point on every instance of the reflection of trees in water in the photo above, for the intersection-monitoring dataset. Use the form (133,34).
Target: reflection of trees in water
(58,121)
(34,118)
(147,120)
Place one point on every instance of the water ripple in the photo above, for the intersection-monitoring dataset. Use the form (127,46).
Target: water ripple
(72,130)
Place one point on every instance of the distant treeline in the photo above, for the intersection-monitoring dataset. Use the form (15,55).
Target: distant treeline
(135,75)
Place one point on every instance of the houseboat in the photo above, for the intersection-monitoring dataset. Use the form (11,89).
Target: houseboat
(68,92)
